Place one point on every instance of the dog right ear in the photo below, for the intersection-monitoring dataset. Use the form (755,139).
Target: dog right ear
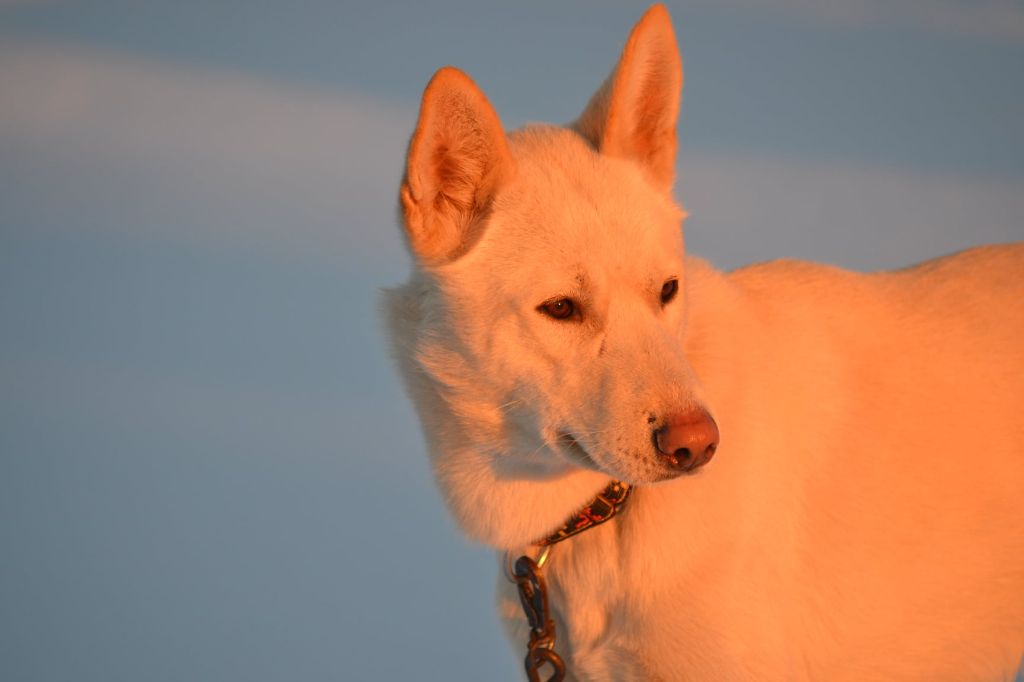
(458,158)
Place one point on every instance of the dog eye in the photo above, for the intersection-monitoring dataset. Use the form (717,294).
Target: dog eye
(668,290)
(559,308)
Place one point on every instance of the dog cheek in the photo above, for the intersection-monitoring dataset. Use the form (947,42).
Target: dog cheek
(541,367)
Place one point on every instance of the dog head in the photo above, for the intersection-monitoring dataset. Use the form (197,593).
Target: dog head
(543,323)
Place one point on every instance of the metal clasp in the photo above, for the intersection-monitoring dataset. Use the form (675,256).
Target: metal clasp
(533,595)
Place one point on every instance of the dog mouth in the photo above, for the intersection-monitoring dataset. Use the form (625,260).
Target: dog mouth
(576,451)
(651,474)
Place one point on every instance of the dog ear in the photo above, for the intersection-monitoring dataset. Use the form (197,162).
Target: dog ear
(458,157)
(633,115)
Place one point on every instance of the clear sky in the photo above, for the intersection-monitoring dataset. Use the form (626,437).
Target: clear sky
(207,468)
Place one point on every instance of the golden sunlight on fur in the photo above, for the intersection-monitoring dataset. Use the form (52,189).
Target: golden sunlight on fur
(861,518)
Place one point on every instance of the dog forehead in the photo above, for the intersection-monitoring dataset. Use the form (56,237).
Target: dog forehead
(570,202)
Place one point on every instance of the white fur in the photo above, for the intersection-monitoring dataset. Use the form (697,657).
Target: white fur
(863,517)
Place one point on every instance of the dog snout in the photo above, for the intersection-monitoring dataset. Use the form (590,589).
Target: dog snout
(687,440)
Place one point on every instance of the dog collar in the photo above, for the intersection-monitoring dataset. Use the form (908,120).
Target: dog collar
(604,506)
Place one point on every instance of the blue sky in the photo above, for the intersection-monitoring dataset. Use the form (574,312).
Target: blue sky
(207,468)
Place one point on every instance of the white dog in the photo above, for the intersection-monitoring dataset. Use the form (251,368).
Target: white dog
(863,515)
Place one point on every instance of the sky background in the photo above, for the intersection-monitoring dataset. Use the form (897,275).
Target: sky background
(208,470)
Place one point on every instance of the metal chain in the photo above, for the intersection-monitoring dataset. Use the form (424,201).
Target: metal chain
(533,595)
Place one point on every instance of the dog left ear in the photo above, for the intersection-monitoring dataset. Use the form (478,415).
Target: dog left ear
(633,115)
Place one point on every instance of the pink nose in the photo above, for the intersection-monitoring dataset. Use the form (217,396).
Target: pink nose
(687,440)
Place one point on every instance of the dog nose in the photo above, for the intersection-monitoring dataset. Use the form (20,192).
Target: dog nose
(687,440)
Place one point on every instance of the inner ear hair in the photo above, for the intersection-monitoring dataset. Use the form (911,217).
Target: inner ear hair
(458,158)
